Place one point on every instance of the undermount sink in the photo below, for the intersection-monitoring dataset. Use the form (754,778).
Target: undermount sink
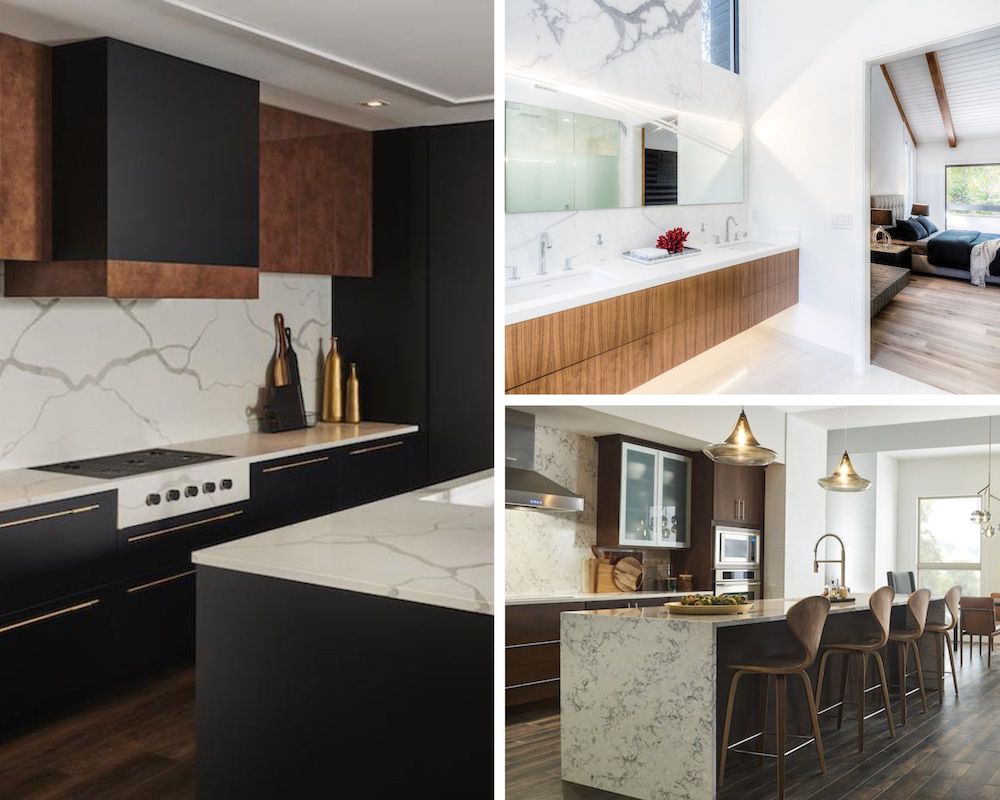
(557,283)
(746,244)
(478,493)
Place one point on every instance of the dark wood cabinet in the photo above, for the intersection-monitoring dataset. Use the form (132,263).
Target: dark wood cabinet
(739,494)
(315,195)
(532,651)
(421,328)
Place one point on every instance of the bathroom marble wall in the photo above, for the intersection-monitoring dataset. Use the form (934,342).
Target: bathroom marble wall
(81,378)
(648,52)
(545,549)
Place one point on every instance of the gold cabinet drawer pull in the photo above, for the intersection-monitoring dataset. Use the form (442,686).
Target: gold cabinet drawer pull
(50,615)
(294,464)
(54,515)
(139,537)
(170,579)
(374,448)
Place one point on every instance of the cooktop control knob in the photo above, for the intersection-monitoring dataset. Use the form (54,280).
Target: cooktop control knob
(208,487)
(226,484)
(173,494)
(153,499)
(191,491)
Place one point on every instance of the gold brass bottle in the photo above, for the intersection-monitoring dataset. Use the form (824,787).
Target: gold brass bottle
(353,400)
(333,395)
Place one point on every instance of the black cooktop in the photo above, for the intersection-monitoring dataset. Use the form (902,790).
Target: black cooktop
(124,465)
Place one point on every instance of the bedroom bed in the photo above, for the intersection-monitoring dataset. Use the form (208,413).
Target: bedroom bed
(946,253)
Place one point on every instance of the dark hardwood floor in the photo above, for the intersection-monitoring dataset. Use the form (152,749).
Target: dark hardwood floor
(139,744)
(950,753)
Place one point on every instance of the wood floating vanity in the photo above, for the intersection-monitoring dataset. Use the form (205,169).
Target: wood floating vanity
(614,345)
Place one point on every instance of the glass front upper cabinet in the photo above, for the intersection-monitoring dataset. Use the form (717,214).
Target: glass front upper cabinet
(655,498)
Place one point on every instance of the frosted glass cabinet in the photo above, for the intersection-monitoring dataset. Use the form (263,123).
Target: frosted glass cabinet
(655,498)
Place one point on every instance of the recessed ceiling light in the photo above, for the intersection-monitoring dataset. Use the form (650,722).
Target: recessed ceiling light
(374,103)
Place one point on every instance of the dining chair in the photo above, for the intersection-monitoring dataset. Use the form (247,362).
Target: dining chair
(977,619)
(902,582)
(905,639)
(996,607)
(942,632)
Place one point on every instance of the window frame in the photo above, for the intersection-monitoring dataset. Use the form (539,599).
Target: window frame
(947,167)
(945,565)
(734,40)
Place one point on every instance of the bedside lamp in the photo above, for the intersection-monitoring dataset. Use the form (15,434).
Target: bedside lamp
(880,218)
(920,210)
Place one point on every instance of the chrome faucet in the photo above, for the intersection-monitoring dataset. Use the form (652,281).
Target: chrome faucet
(728,220)
(544,243)
(842,560)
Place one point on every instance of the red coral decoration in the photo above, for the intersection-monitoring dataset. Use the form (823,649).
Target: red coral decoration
(673,240)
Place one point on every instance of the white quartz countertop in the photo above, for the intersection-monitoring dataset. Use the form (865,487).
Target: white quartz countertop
(431,546)
(591,283)
(762,611)
(24,487)
(590,597)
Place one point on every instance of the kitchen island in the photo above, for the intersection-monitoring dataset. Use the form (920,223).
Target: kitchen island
(643,691)
(351,650)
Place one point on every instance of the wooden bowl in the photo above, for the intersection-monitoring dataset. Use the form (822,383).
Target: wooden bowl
(677,607)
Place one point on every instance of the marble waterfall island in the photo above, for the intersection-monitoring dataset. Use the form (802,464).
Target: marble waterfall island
(643,691)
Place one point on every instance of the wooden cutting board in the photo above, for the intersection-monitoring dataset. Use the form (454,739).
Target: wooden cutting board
(627,574)
(605,576)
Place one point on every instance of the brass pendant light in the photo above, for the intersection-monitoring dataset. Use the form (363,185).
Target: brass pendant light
(741,449)
(844,478)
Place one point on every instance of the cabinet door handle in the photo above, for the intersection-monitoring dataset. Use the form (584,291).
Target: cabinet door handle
(51,615)
(140,536)
(374,448)
(296,464)
(54,515)
(170,579)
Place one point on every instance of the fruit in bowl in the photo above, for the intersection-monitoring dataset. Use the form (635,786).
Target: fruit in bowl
(713,600)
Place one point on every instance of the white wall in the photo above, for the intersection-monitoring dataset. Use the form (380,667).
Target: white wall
(888,138)
(942,477)
(774,530)
(851,515)
(81,378)
(932,157)
(886,516)
(807,134)
(805,506)
(641,57)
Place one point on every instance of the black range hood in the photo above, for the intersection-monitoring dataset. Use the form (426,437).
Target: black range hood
(154,178)
(524,486)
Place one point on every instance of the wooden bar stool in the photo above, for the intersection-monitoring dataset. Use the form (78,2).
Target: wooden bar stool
(857,653)
(906,639)
(978,619)
(806,620)
(942,637)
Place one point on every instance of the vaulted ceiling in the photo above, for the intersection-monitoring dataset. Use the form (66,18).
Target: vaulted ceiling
(969,81)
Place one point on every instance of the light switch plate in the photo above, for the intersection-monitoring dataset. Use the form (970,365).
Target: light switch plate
(844,221)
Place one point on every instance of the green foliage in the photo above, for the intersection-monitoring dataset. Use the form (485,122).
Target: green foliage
(977,186)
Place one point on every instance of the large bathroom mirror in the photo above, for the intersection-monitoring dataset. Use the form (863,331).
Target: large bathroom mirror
(567,150)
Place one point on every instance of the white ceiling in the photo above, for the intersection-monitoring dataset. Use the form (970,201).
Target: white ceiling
(971,74)
(433,61)
(832,418)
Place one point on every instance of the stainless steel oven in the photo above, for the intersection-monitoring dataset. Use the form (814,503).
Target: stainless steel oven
(744,582)
(737,547)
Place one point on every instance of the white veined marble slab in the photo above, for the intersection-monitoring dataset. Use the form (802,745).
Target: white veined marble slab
(411,547)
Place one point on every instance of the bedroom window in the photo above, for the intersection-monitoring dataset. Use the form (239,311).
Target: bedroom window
(948,544)
(972,197)
(720,33)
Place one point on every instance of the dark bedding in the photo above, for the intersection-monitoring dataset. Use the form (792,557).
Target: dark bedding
(954,249)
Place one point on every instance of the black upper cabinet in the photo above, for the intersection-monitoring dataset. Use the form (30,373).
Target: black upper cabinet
(421,327)
(154,158)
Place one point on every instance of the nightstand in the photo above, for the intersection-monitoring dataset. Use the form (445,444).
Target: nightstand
(895,255)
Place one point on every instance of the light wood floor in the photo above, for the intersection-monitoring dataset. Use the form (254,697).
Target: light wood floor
(139,744)
(952,752)
(942,331)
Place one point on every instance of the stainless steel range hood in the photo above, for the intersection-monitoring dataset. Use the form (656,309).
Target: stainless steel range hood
(525,487)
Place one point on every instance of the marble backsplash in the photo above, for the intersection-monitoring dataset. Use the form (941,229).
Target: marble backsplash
(545,549)
(81,378)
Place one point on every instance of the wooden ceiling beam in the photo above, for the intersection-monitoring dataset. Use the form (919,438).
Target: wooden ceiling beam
(899,105)
(942,98)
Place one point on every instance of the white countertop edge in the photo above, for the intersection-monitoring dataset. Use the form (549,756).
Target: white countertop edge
(23,487)
(712,258)
(588,597)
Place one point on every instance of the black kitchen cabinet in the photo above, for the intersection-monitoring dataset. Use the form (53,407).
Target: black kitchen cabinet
(292,489)
(421,327)
(373,470)
(56,549)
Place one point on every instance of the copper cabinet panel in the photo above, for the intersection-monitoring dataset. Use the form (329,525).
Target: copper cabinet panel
(279,207)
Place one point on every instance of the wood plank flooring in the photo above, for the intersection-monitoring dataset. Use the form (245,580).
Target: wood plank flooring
(942,331)
(951,752)
(139,744)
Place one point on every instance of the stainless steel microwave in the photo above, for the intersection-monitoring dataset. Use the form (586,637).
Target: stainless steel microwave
(736,547)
